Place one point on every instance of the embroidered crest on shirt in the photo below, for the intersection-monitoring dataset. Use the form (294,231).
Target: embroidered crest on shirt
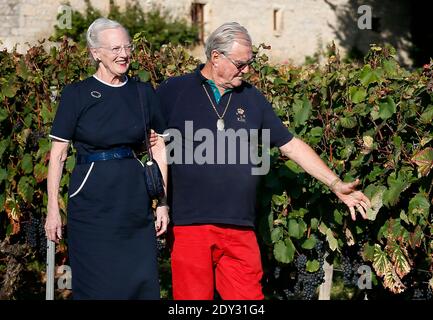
(240,114)
(95,94)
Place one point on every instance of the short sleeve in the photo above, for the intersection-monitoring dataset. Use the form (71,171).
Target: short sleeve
(65,121)
(158,120)
(280,135)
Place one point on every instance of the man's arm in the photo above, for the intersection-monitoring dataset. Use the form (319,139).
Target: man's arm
(162,217)
(307,159)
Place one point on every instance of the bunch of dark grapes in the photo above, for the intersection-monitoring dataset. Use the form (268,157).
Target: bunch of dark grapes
(280,278)
(347,270)
(34,233)
(31,232)
(289,294)
(319,247)
(308,282)
(423,293)
(34,137)
(418,294)
(42,247)
(350,264)
(301,262)
(160,246)
(277,272)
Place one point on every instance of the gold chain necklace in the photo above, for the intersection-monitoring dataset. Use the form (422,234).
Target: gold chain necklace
(220,121)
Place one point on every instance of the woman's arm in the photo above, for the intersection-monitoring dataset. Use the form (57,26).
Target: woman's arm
(58,155)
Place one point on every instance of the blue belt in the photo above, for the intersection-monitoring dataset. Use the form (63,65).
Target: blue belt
(118,153)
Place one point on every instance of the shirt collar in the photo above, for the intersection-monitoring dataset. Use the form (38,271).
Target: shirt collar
(202,79)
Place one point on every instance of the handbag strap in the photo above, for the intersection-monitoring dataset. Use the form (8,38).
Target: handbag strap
(146,138)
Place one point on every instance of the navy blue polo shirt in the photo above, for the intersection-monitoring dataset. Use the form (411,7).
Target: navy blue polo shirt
(211,179)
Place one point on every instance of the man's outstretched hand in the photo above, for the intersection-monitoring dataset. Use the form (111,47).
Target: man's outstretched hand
(346,192)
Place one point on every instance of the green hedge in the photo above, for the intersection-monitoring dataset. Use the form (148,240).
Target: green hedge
(372,121)
(155,25)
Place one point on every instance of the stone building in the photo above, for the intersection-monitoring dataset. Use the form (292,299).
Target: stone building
(293,28)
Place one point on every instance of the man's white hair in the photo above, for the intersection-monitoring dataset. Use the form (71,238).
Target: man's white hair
(223,37)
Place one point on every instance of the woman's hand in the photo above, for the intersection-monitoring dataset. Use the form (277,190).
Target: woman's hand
(346,192)
(53,225)
(162,220)
(153,137)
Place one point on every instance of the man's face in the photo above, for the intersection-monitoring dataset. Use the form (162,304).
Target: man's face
(231,67)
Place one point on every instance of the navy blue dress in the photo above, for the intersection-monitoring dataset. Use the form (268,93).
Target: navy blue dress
(111,232)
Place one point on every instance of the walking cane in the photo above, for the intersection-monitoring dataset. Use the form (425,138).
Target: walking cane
(51,246)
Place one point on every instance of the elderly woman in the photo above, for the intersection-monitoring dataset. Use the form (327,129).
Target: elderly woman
(111,227)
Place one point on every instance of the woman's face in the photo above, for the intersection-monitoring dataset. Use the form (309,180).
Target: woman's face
(114,52)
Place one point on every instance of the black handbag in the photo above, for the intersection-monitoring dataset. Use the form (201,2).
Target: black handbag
(152,173)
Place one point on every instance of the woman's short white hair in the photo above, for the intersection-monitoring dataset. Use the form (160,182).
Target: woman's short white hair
(224,36)
(100,24)
(94,30)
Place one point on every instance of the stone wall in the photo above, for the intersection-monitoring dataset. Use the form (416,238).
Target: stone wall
(304,27)
(24,22)
(293,28)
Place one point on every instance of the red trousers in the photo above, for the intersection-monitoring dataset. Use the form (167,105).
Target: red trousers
(205,257)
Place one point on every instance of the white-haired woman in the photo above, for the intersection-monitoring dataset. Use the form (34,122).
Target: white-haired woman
(111,230)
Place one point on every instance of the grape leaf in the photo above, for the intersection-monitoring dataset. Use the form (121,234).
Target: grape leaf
(284,251)
(424,161)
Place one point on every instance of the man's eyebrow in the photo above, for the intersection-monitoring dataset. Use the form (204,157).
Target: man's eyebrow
(244,61)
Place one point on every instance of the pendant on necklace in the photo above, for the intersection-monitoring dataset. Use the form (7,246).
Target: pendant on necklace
(220,124)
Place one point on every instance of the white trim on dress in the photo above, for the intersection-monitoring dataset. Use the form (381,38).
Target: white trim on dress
(109,84)
(57,138)
(84,181)
(140,162)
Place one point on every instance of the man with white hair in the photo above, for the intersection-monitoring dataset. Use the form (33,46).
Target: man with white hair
(213,203)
